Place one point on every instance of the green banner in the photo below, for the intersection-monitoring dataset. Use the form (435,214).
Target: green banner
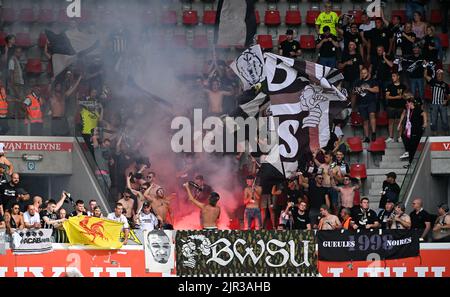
(246,253)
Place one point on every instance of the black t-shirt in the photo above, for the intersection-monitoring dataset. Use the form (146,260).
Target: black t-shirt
(363,218)
(50,215)
(379,37)
(392,192)
(418,220)
(430,54)
(395,90)
(316,195)
(356,38)
(300,221)
(74,213)
(381,69)
(364,96)
(383,216)
(327,50)
(351,72)
(7,195)
(293,195)
(396,32)
(288,47)
(406,45)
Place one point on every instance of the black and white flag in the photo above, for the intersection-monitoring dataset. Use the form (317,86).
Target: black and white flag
(249,67)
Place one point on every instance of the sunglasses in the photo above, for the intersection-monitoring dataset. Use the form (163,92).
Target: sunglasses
(320,178)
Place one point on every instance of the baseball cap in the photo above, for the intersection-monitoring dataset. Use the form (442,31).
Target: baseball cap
(392,174)
(289,32)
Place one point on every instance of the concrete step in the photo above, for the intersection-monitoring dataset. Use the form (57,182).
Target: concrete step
(392,158)
(393,165)
(394,145)
(375,192)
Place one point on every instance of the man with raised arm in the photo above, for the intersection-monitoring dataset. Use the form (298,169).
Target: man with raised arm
(209,212)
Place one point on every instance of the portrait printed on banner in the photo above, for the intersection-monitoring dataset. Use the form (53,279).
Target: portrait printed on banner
(159,248)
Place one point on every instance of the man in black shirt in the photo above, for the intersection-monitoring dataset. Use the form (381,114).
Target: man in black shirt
(353,35)
(366,90)
(49,215)
(390,190)
(420,218)
(415,72)
(395,103)
(351,64)
(440,93)
(300,217)
(408,38)
(327,45)
(364,217)
(318,195)
(8,193)
(290,48)
(386,213)
(293,195)
(378,36)
(396,30)
(430,46)
(23,199)
(381,70)
(79,209)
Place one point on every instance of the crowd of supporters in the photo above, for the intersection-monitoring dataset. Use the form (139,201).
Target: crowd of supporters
(385,65)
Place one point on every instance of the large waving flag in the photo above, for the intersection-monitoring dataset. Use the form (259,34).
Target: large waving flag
(94,231)
(69,45)
(235,22)
(300,93)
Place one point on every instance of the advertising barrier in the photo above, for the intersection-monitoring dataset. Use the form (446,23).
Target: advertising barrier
(245,253)
(350,245)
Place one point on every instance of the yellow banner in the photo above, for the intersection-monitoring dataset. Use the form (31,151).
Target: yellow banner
(93,231)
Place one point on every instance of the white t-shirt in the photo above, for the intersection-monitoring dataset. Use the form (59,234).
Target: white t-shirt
(365,27)
(27,218)
(121,219)
(11,67)
(147,221)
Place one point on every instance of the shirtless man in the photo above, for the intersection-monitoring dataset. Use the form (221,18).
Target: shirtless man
(139,194)
(347,192)
(210,212)
(4,160)
(252,197)
(328,221)
(215,98)
(128,205)
(161,206)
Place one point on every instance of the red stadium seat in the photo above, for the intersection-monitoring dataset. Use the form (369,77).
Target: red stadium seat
(356,198)
(382,119)
(281,38)
(311,16)
(23,40)
(400,13)
(8,15)
(436,17)
(209,17)
(190,18)
(444,40)
(179,41)
(42,41)
(358,171)
(258,18)
(377,146)
(293,18)
(265,41)
(2,38)
(200,42)
(46,16)
(355,144)
(356,119)
(26,15)
(428,94)
(169,17)
(272,18)
(307,42)
(34,66)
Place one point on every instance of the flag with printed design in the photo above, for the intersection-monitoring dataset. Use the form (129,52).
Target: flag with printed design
(93,231)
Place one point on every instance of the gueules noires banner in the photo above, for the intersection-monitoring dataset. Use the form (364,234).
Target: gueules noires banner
(350,245)
(246,253)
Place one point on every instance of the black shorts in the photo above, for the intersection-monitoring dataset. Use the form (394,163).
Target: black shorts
(394,113)
(366,109)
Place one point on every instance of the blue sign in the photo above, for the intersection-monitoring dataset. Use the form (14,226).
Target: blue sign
(31,165)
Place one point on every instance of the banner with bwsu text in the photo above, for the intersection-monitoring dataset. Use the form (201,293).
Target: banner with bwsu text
(245,253)
(362,245)
(31,241)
